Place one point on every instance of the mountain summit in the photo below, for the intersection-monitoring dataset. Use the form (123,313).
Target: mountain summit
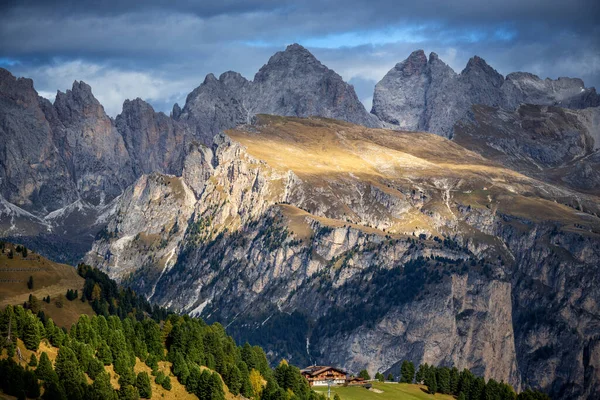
(292,83)
(427,95)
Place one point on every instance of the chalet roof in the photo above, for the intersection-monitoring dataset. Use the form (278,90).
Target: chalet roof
(356,379)
(319,369)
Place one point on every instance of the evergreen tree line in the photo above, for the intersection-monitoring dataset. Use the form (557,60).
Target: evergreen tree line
(202,356)
(108,298)
(463,384)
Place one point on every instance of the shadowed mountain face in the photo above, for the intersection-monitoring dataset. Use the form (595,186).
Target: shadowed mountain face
(331,241)
(63,164)
(427,95)
(553,144)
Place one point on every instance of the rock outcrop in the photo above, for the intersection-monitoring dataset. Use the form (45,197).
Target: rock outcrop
(427,95)
(292,83)
(63,165)
(97,154)
(33,172)
(154,141)
(327,242)
(549,143)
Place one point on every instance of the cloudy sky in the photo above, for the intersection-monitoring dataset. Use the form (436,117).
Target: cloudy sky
(160,51)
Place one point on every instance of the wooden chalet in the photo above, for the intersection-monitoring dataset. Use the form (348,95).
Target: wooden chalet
(356,381)
(322,375)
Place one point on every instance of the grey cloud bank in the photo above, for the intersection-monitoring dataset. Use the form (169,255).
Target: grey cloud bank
(161,52)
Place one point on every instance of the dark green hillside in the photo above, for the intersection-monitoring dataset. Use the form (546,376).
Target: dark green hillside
(105,356)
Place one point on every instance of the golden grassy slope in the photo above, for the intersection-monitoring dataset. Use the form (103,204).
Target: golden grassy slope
(336,158)
(49,278)
(385,391)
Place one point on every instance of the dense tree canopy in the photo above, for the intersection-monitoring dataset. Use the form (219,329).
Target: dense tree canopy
(203,357)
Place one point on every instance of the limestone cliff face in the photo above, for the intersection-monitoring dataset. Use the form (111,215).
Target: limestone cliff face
(384,250)
(33,173)
(99,159)
(149,221)
(63,165)
(292,83)
(154,141)
(427,95)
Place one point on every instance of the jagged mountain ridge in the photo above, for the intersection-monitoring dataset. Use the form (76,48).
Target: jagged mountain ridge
(220,219)
(292,83)
(63,164)
(296,220)
(424,94)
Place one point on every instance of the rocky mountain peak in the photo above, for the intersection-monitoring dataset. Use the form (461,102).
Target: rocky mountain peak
(136,105)
(294,61)
(296,52)
(20,89)
(232,79)
(292,83)
(477,66)
(430,96)
(210,78)
(153,140)
(176,111)
(79,101)
(414,64)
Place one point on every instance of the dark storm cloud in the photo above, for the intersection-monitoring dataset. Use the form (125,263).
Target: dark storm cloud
(161,51)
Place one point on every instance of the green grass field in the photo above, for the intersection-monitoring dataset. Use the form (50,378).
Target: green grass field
(390,391)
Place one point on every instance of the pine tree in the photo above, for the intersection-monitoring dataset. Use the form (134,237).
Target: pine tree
(32,388)
(431,381)
(454,381)
(166,383)
(529,394)
(477,388)
(364,374)
(44,370)
(31,333)
(443,380)
(96,292)
(216,387)
(390,377)
(246,388)
(234,380)
(462,396)
(379,376)
(422,373)
(102,389)
(53,390)
(192,383)
(128,392)
(160,377)
(407,371)
(143,385)
(33,360)
(30,283)
(127,377)
(104,354)
(180,368)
